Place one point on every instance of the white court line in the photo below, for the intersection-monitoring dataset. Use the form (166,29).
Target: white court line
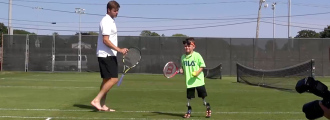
(47,87)
(85,118)
(54,87)
(120,89)
(48,80)
(14,109)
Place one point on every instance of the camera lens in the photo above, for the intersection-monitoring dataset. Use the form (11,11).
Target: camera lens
(313,110)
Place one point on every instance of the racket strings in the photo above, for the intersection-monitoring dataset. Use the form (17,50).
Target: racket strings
(132,57)
(170,69)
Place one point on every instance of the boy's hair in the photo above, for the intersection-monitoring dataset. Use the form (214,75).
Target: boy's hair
(191,39)
(113,5)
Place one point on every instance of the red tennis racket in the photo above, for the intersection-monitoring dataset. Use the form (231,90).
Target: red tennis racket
(170,69)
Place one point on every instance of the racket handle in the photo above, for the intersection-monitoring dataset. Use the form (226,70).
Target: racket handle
(121,79)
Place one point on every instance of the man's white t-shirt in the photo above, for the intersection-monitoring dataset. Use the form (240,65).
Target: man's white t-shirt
(107,27)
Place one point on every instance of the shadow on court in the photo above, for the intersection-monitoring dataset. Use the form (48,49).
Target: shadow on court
(169,114)
(86,107)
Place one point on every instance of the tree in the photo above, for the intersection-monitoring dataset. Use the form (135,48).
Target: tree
(148,33)
(154,34)
(93,33)
(3,30)
(179,35)
(87,33)
(55,33)
(163,35)
(326,32)
(307,34)
(145,33)
(22,32)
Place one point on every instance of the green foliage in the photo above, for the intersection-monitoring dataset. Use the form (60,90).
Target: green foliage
(307,34)
(179,35)
(55,33)
(3,30)
(22,32)
(148,33)
(326,32)
(87,33)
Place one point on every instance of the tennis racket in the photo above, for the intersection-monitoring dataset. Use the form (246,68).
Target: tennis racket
(170,69)
(130,60)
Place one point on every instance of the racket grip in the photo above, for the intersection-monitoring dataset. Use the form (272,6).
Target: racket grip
(120,80)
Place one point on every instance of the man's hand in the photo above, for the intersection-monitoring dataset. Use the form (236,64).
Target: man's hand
(325,110)
(123,51)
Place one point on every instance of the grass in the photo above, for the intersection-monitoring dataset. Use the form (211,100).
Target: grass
(37,96)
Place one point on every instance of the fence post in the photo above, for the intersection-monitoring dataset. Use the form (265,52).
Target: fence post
(79,53)
(27,53)
(1,61)
(230,58)
(53,53)
(274,52)
(254,51)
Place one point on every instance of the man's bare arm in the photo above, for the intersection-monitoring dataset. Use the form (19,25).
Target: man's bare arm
(108,43)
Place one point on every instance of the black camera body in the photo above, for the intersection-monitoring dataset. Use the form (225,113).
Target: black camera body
(312,109)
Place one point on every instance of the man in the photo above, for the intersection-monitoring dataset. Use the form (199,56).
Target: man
(107,55)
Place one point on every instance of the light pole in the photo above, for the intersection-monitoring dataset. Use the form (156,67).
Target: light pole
(273,8)
(53,50)
(10,27)
(257,30)
(38,8)
(258,19)
(289,17)
(79,11)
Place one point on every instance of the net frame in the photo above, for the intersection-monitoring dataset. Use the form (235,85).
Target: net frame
(264,74)
(213,73)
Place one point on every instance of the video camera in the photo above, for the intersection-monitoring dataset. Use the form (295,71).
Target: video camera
(312,109)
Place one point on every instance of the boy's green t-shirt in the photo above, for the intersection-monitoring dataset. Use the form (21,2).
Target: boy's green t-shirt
(191,63)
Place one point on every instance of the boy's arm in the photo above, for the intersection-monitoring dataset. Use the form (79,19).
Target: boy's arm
(199,71)
(201,65)
(181,70)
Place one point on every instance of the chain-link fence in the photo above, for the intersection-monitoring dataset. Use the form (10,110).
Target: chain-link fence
(60,53)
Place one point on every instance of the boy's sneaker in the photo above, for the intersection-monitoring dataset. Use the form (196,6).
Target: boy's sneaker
(208,111)
(187,115)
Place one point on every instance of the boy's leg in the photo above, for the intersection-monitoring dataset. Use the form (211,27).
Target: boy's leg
(190,95)
(208,110)
(188,114)
(202,94)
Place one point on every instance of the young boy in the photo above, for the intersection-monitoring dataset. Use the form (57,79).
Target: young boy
(192,67)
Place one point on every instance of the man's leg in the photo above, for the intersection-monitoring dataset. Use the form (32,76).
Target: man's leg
(104,107)
(109,72)
(106,87)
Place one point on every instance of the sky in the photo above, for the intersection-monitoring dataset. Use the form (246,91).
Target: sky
(194,18)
